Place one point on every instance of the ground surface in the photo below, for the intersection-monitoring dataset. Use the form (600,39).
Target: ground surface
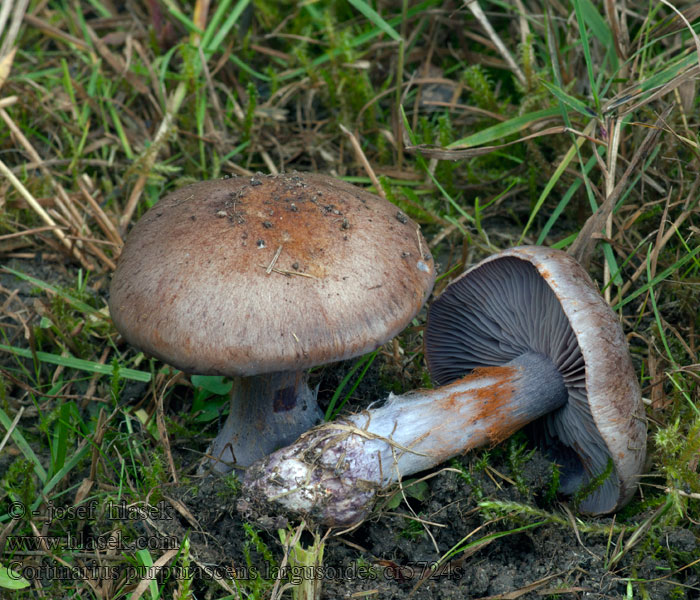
(489,129)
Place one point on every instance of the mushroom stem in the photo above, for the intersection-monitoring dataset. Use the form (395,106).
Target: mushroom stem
(266,412)
(333,472)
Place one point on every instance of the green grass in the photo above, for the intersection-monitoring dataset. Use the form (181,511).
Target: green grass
(104,111)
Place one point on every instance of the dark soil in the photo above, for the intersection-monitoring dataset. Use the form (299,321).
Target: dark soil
(391,555)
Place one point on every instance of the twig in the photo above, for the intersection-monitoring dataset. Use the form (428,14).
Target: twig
(163,430)
(582,248)
(692,495)
(115,61)
(667,236)
(54,32)
(285,272)
(9,101)
(61,200)
(610,171)
(9,236)
(269,163)
(18,416)
(102,219)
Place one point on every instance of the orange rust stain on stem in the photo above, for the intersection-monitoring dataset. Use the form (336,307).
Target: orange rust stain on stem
(493,403)
(479,402)
(501,375)
(490,404)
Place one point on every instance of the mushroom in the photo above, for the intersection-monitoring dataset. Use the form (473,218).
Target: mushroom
(522,338)
(260,278)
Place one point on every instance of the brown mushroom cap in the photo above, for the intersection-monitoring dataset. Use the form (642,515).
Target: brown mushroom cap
(539,299)
(244,276)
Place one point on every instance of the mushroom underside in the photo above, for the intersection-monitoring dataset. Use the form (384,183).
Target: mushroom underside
(503,309)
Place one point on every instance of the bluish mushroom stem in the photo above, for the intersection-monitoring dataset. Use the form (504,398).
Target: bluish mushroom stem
(332,473)
(266,412)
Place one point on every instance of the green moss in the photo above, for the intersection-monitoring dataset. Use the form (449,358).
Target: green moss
(153,475)
(468,474)
(481,88)
(553,486)
(231,488)
(19,482)
(593,484)
(518,455)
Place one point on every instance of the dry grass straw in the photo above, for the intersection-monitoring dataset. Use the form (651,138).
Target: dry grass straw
(148,160)
(473,5)
(582,248)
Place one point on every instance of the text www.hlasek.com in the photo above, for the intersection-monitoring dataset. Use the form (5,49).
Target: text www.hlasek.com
(24,543)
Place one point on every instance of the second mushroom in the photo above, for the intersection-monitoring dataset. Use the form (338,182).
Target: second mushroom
(523,338)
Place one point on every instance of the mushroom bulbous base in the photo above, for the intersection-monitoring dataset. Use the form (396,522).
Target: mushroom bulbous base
(285,484)
(332,473)
(266,412)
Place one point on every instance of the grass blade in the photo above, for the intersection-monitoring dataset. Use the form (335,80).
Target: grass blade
(374,17)
(359,40)
(570,101)
(660,277)
(564,202)
(216,42)
(366,361)
(79,364)
(23,445)
(504,129)
(568,157)
(74,302)
(587,51)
